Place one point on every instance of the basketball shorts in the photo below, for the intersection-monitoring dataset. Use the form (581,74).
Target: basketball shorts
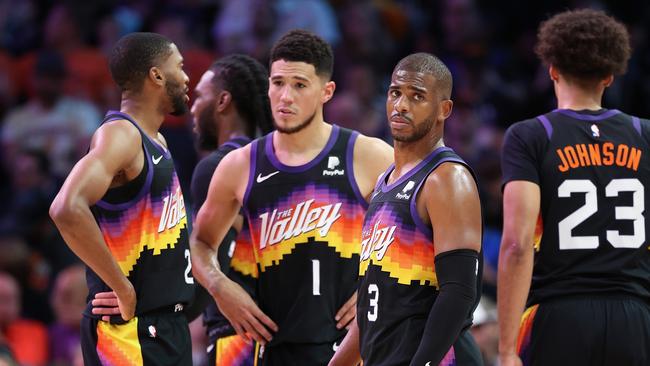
(231,351)
(607,331)
(161,339)
(295,354)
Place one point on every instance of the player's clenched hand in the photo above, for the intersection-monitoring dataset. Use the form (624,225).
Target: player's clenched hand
(109,303)
(510,359)
(347,312)
(243,314)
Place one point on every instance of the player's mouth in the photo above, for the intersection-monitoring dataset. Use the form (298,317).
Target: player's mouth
(285,112)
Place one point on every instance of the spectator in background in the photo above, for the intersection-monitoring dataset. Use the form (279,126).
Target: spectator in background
(59,125)
(27,339)
(68,301)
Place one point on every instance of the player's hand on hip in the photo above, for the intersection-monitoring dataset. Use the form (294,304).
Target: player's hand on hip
(108,304)
(243,314)
(509,359)
(347,313)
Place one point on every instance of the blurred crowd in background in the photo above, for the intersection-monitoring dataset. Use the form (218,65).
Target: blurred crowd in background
(55,86)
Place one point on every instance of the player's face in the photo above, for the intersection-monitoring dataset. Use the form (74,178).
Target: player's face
(203,108)
(297,95)
(413,105)
(176,82)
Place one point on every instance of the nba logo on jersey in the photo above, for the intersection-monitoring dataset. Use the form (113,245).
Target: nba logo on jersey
(332,163)
(595,132)
(402,195)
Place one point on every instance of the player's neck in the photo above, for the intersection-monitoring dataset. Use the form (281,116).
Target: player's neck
(577,99)
(303,146)
(145,113)
(409,154)
(230,125)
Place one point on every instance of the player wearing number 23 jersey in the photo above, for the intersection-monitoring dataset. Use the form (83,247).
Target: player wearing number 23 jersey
(575,254)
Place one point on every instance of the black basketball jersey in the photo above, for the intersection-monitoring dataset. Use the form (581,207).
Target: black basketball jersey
(592,173)
(305,222)
(398,285)
(144,225)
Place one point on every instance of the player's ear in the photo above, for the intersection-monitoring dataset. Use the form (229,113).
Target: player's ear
(608,81)
(553,73)
(223,100)
(445,108)
(156,76)
(328,91)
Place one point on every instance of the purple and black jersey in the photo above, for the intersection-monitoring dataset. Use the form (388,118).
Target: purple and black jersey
(399,285)
(591,236)
(305,223)
(144,225)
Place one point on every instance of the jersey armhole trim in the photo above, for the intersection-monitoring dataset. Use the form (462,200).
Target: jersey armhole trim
(143,191)
(413,204)
(251,174)
(547,125)
(637,125)
(349,162)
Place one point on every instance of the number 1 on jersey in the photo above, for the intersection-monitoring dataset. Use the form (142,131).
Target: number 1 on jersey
(315,266)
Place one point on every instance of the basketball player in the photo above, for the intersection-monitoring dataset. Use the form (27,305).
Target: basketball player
(231,105)
(304,189)
(575,218)
(420,257)
(121,210)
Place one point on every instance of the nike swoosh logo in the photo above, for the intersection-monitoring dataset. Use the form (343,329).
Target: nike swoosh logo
(156,160)
(335,346)
(261,178)
(428,363)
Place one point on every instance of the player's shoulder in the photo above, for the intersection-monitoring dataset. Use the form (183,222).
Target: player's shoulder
(119,132)
(526,127)
(370,148)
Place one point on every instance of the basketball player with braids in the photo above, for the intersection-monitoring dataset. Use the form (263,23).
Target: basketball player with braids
(304,189)
(575,252)
(121,210)
(231,107)
(421,260)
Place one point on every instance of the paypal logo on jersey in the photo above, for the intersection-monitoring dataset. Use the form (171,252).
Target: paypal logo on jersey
(332,163)
(403,194)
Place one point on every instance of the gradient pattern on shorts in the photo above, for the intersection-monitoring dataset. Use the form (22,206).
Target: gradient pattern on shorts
(343,235)
(409,257)
(449,359)
(243,258)
(118,345)
(234,351)
(525,331)
(137,227)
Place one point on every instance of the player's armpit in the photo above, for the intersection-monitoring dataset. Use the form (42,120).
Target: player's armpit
(372,157)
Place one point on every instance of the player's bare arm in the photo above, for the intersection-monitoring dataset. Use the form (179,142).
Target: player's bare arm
(449,201)
(372,156)
(521,202)
(215,217)
(115,157)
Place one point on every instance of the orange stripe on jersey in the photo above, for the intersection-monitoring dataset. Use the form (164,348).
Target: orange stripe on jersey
(243,259)
(323,217)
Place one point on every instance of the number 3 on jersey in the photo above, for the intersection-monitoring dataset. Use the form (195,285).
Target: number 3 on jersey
(373,291)
(634,213)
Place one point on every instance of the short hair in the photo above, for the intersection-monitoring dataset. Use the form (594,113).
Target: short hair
(428,64)
(248,82)
(586,44)
(299,45)
(134,55)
